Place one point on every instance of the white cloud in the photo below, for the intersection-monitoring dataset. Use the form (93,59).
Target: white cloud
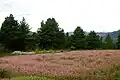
(98,15)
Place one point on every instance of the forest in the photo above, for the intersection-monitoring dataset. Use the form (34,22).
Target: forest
(17,36)
(56,54)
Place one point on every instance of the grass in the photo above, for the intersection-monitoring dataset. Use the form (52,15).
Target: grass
(37,51)
(106,74)
(117,75)
(109,67)
(2,54)
(32,78)
(43,78)
(4,73)
(112,73)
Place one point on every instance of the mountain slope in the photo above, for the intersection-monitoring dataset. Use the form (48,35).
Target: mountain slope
(113,34)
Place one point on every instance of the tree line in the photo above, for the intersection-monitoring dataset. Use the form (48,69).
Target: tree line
(16,35)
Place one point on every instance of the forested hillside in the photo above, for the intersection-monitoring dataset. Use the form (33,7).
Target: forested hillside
(113,34)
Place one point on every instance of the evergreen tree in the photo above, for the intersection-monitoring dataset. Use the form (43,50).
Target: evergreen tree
(92,41)
(101,43)
(79,38)
(32,41)
(9,33)
(108,42)
(67,41)
(50,35)
(13,35)
(118,42)
(24,34)
(72,42)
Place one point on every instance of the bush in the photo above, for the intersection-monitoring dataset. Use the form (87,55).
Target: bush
(117,75)
(51,51)
(4,73)
(37,51)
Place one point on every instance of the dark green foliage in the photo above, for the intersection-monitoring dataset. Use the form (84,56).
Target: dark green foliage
(24,34)
(92,41)
(117,75)
(68,41)
(17,36)
(108,43)
(101,43)
(9,33)
(72,42)
(79,38)
(118,42)
(32,41)
(50,35)
(13,35)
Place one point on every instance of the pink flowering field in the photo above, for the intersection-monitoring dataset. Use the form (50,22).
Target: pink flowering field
(72,63)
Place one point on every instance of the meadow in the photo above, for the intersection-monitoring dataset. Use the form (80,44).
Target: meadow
(73,65)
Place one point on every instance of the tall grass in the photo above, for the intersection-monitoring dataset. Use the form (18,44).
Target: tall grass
(37,51)
(111,73)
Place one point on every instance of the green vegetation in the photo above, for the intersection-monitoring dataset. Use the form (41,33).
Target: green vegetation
(92,41)
(118,42)
(108,43)
(79,38)
(32,78)
(117,75)
(46,78)
(50,38)
(16,36)
(111,73)
(37,51)
(4,73)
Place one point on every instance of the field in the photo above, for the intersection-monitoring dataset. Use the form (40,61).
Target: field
(82,64)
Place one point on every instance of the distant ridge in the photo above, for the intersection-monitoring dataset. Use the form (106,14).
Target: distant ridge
(113,34)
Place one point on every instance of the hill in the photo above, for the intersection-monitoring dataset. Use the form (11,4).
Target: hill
(113,34)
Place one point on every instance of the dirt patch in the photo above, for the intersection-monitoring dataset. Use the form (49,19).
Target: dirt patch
(63,64)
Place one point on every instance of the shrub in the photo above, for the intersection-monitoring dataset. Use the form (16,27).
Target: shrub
(4,73)
(37,51)
(117,75)
(51,51)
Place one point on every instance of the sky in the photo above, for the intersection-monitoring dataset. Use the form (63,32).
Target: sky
(98,15)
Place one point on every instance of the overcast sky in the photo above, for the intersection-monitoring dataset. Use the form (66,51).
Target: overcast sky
(98,15)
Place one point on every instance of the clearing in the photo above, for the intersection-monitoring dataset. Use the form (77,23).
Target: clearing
(72,63)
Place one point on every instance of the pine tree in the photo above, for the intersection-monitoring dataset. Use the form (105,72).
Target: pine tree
(118,42)
(24,34)
(92,41)
(67,41)
(13,35)
(101,43)
(9,33)
(108,42)
(79,38)
(50,35)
